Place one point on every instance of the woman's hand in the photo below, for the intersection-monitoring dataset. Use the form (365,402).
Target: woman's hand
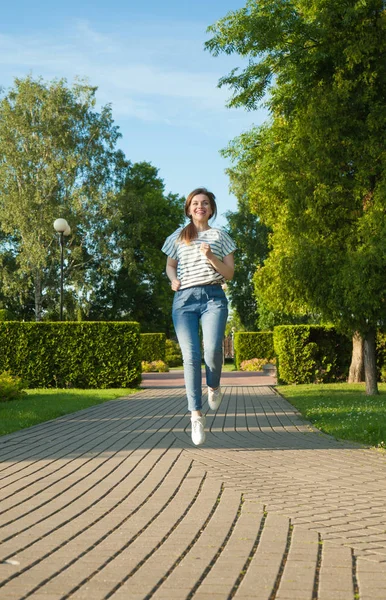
(176,284)
(206,250)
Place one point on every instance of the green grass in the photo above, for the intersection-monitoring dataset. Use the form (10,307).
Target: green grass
(343,410)
(41,405)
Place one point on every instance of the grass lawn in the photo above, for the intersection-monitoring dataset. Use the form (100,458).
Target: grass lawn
(342,409)
(44,404)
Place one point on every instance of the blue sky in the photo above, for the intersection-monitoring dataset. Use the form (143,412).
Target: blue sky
(147,60)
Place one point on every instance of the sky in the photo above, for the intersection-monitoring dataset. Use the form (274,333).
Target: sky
(148,60)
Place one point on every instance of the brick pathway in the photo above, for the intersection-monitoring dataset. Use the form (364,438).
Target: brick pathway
(115,502)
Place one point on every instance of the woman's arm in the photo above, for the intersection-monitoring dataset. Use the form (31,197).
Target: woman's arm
(171,272)
(226,266)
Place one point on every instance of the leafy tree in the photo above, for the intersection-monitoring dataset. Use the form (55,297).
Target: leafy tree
(135,285)
(319,166)
(57,159)
(251,239)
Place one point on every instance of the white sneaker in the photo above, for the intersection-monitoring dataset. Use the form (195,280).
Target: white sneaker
(214,398)
(198,432)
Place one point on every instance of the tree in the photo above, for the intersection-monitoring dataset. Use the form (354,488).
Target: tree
(135,286)
(318,177)
(251,239)
(57,159)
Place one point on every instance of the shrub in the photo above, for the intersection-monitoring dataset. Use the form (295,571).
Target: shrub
(381,355)
(253,364)
(11,387)
(72,354)
(173,354)
(155,366)
(250,344)
(311,354)
(152,346)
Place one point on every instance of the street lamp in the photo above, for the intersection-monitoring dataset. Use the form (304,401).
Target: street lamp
(63,228)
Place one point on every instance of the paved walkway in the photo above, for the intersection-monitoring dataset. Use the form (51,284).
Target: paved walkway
(174,379)
(115,502)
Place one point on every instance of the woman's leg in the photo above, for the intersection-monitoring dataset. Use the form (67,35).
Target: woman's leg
(186,325)
(213,320)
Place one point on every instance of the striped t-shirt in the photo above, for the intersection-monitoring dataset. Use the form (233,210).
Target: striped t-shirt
(193,267)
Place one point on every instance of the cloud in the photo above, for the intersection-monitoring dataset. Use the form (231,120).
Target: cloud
(146,73)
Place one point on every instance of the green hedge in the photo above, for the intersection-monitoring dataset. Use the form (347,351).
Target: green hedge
(153,346)
(311,353)
(69,354)
(253,344)
(381,355)
(173,355)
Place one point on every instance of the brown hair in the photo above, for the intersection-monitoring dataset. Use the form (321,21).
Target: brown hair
(189,232)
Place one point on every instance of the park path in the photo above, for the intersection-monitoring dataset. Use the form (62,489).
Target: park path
(115,502)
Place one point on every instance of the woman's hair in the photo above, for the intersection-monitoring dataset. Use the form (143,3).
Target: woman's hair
(189,232)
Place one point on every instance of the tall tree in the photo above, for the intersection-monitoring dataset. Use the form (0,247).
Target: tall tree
(319,166)
(135,286)
(57,159)
(251,239)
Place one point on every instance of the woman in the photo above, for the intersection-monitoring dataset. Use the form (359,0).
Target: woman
(200,259)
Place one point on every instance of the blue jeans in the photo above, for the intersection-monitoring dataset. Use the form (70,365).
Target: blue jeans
(209,304)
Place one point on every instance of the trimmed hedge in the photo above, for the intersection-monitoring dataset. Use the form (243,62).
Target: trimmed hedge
(381,355)
(153,346)
(311,354)
(253,344)
(173,355)
(72,354)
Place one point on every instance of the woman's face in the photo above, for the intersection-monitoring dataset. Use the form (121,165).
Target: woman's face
(199,208)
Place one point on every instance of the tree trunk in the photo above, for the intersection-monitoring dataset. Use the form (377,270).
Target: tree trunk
(38,297)
(370,364)
(357,367)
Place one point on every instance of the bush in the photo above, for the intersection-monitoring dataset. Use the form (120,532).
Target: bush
(311,354)
(249,344)
(173,354)
(155,366)
(11,387)
(253,364)
(153,346)
(70,354)
(381,355)
(256,364)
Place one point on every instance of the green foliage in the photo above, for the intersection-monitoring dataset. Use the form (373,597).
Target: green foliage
(84,355)
(251,239)
(253,364)
(155,366)
(11,387)
(173,355)
(248,345)
(381,354)
(153,346)
(134,285)
(6,315)
(311,354)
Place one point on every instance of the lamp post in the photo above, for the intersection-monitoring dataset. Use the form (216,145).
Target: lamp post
(63,228)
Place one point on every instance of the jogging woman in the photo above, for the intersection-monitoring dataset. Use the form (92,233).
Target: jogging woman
(199,261)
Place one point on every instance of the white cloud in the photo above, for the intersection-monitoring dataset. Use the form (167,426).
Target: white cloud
(145,77)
